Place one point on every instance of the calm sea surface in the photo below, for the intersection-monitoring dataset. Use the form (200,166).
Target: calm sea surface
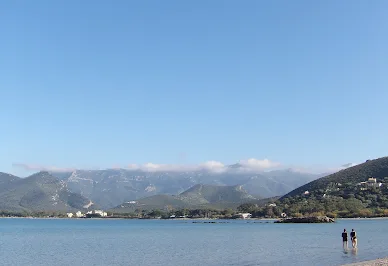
(151,242)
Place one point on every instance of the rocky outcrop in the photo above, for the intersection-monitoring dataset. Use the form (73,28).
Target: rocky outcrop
(310,219)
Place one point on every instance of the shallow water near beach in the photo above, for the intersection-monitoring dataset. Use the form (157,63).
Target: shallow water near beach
(159,242)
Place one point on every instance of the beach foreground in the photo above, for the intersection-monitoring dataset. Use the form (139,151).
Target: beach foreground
(378,262)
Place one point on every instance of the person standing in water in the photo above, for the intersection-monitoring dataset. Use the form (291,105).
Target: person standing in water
(345,239)
(353,238)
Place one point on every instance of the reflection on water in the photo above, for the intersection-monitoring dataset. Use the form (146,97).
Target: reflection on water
(140,242)
(354,251)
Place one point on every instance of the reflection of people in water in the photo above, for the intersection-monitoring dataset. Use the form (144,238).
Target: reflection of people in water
(353,237)
(345,239)
(354,251)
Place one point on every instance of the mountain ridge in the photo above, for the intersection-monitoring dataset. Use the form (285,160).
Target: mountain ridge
(377,168)
(111,187)
(199,195)
(357,191)
(39,192)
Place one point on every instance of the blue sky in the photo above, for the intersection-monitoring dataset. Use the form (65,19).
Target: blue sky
(99,84)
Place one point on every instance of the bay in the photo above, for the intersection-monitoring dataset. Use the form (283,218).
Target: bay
(182,242)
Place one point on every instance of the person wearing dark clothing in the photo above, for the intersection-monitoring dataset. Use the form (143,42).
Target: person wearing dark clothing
(353,238)
(345,239)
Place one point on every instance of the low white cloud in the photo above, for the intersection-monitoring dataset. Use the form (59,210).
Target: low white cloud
(253,165)
(248,165)
(132,166)
(347,165)
(322,170)
(339,168)
(37,167)
(211,166)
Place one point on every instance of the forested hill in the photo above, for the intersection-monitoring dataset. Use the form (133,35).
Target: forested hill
(377,168)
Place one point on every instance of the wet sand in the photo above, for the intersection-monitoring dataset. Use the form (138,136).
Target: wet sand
(378,262)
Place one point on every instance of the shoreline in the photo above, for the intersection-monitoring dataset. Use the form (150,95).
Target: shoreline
(123,218)
(364,218)
(177,219)
(376,262)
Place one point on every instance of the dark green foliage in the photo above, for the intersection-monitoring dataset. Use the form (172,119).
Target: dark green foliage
(40,214)
(180,213)
(349,177)
(341,194)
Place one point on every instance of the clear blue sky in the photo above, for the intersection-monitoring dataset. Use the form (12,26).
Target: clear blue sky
(102,83)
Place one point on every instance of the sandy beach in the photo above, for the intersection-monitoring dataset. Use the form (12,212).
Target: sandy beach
(377,262)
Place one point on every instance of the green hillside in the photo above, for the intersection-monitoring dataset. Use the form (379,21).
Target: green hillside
(198,196)
(377,168)
(204,194)
(347,193)
(39,192)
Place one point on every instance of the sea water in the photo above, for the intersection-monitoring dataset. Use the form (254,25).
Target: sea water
(172,242)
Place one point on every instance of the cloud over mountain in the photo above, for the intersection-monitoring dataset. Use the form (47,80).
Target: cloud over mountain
(347,165)
(247,165)
(251,164)
(255,164)
(211,166)
(38,167)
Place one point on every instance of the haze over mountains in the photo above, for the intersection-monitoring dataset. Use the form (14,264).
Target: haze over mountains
(109,188)
(112,187)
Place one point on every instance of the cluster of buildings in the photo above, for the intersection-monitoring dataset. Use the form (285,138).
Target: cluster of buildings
(365,185)
(79,214)
(371,182)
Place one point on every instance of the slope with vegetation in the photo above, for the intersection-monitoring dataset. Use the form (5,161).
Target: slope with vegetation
(198,196)
(6,179)
(38,192)
(204,194)
(347,193)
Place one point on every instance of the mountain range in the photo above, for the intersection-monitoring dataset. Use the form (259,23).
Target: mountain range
(83,189)
(199,196)
(109,188)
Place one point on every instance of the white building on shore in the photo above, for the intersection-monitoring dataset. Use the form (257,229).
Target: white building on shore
(79,214)
(244,215)
(101,213)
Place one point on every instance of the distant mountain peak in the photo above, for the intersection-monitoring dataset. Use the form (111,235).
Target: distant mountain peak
(236,165)
(43,177)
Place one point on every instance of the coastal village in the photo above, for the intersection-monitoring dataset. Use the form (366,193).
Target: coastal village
(89,214)
(371,182)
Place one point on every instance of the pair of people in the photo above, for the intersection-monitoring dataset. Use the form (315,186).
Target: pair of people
(353,238)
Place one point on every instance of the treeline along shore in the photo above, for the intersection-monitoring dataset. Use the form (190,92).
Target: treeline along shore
(244,211)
